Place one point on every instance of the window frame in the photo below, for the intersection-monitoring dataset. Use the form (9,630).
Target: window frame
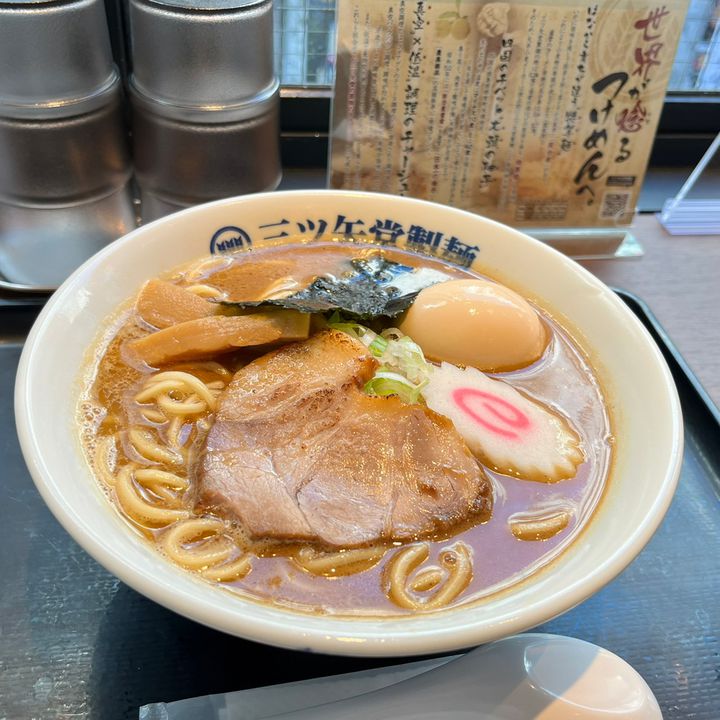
(688,124)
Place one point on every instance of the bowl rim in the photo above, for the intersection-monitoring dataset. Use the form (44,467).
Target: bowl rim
(273,625)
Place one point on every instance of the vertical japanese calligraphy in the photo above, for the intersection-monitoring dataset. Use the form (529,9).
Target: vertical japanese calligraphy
(411,93)
(534,114)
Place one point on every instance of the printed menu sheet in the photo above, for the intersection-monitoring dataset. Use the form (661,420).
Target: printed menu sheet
(539,114)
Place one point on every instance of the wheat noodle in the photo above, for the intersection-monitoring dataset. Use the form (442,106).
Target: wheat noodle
(137,507)
(456,570)
(341,562)
(201,544)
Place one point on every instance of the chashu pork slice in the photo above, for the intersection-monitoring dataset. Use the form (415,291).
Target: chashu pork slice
(299,452)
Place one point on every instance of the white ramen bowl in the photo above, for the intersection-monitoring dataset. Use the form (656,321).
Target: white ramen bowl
(642,396)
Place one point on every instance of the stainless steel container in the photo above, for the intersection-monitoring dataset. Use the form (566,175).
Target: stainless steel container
(41,244)
(51,159)
(181,161)
(54,57)
(64,162)
(202,52)
(154,206)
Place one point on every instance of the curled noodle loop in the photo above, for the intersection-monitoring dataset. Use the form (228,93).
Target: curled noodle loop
(341,562)
(105,459)
(444,584)
(147,446)
(138,507)
(202,544)
(177,393)
(178,397)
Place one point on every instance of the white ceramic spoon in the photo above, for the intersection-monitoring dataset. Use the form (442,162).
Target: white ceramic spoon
(546,677)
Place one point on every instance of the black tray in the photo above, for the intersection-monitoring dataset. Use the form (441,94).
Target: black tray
(77,643)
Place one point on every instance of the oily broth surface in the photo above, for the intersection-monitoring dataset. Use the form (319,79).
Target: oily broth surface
(562,379)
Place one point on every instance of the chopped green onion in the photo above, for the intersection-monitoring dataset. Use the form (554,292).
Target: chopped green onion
(386,383)
(364,334)
(407,356)
(378,346)
(357,331)
(404,370)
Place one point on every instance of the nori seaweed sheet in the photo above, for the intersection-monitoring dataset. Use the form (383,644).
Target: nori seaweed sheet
(375,287)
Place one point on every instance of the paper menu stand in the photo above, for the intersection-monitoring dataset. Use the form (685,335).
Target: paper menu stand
(539,115)
(695,210)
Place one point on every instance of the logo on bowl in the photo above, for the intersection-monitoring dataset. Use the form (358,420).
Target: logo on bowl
(229,238)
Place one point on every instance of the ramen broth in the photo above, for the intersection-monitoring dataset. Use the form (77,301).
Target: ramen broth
(531,522)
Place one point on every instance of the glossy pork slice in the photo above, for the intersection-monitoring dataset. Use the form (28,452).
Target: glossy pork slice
(299,452)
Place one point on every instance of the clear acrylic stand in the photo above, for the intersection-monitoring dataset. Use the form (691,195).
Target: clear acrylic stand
(695,210)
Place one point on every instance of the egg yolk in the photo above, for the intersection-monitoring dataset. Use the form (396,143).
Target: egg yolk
(477,323)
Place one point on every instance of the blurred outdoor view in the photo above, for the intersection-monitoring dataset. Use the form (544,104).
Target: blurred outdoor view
(305,45)
(305,41)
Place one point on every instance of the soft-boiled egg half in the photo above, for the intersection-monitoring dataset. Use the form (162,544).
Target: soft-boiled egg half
(477,323)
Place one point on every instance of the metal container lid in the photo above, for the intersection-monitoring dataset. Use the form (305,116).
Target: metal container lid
(201,52)
(55,57)
(247,109)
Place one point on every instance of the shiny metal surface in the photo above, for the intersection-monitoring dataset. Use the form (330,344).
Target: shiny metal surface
(65,165)
(55,57)
(202,52)
(70,158)
(186,163)
(154,206)
(245,109)
(41,245)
